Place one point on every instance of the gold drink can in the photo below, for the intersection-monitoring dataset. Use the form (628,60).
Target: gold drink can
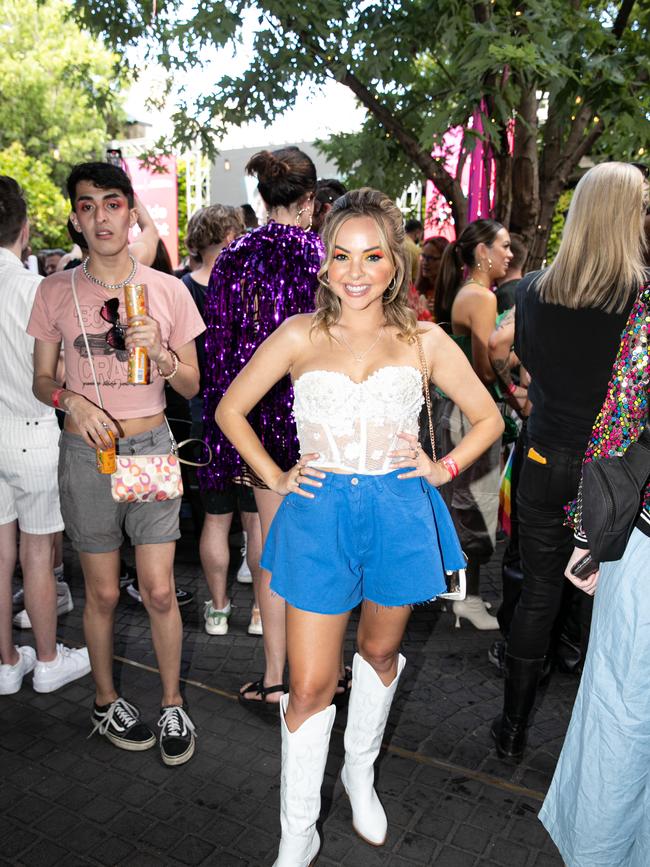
(107,458)
(135,300)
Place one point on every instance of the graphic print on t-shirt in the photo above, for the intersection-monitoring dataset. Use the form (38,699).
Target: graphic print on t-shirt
(109,363)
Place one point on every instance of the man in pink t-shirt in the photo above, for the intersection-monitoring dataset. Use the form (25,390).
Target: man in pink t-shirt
(102,209)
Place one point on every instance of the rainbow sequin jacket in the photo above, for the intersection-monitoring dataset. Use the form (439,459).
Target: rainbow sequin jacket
(624,413)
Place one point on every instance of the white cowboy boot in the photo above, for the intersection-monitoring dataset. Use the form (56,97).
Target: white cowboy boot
(304,754)
(368,710)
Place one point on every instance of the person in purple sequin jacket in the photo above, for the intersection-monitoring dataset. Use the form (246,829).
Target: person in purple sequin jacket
(261,279)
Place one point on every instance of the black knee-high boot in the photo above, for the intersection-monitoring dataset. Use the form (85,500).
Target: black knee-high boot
(509,729)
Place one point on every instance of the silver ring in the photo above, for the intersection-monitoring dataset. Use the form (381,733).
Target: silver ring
(104,424)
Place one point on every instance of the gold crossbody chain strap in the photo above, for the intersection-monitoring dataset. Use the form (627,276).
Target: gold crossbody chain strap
(424,371)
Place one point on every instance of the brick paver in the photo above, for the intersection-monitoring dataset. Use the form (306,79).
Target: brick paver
(71,801)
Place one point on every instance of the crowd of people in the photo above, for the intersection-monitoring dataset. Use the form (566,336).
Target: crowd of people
(359,389)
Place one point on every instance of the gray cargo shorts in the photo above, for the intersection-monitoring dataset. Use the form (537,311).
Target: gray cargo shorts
(93,520)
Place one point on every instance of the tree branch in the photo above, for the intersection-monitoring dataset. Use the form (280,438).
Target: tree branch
(431,168)
(622,18)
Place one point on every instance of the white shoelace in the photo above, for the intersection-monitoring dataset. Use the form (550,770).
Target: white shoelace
(175,723)
(126,714)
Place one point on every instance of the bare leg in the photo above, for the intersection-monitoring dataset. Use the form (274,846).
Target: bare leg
(251,524)
(36,559)
(271,606)
(314,644)
(102,580)
(215,556)
(379,637)
(58,550)
(8,655)
(155,565)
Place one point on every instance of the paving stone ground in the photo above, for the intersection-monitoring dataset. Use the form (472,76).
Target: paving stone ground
(69,800)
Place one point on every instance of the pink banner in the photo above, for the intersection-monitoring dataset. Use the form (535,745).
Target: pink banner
(158,191)
(477,181)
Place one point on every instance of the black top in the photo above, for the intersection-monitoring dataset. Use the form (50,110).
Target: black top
(569,355)
(197,291)
(506,294)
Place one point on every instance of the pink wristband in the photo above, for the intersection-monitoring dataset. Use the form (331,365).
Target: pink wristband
(512,388)
(56,394)
(450,465)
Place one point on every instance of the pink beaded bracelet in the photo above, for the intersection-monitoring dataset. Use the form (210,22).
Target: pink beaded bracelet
(450,465)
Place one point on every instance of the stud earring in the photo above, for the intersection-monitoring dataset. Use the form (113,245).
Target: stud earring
(489,264)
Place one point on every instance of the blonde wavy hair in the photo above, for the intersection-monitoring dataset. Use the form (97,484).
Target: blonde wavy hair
(390,226)
(600,260)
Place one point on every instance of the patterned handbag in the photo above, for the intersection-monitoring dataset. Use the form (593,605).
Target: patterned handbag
(148,478)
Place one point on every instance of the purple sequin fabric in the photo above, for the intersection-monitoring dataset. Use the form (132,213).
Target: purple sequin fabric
(256,283)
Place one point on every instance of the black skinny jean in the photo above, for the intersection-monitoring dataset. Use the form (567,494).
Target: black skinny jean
(545,544)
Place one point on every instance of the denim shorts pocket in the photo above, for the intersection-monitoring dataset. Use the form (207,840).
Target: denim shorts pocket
(404,489)
(297,501)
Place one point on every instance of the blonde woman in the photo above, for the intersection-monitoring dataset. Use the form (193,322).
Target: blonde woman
(356,525)
(568,324)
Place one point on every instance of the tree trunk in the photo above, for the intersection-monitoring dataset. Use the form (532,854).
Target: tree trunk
(525,169)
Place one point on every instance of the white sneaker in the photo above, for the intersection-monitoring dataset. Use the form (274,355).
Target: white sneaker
(11,676)
(244,574)
(64,604)
(216,619)
(68,666)
(255,626)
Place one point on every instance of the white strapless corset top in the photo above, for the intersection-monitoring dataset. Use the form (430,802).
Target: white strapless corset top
(354,425)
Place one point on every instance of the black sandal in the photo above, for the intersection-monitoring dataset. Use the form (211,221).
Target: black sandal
(345,683)
(257,688)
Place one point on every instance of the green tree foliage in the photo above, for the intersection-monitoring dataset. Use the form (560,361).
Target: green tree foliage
(59,85)
(47,208)
(571,76)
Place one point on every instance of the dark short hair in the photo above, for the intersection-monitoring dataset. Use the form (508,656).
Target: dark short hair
(13,210)
(519,251)
(102,175)
(412,225)
(250,217)
(328,190)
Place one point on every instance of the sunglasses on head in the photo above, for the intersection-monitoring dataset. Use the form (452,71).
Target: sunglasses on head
(110,313)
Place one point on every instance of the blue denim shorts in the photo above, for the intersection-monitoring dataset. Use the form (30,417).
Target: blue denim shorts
(378,538)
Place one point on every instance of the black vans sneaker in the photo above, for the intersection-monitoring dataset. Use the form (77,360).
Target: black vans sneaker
(120,723)
(176,735)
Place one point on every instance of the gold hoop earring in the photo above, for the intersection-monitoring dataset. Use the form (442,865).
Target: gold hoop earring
(311,218)
(388,291)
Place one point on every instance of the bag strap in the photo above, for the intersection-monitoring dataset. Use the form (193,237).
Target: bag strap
(186,442)
(85,336)
(424,371)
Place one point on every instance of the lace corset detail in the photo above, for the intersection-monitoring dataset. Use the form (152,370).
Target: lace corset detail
(354,425)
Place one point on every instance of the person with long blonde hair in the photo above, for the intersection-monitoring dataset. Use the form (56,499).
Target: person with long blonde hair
(360,516)
(568,322)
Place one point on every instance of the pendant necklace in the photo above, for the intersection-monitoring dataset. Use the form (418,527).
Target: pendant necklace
(111,286)
(363,354)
